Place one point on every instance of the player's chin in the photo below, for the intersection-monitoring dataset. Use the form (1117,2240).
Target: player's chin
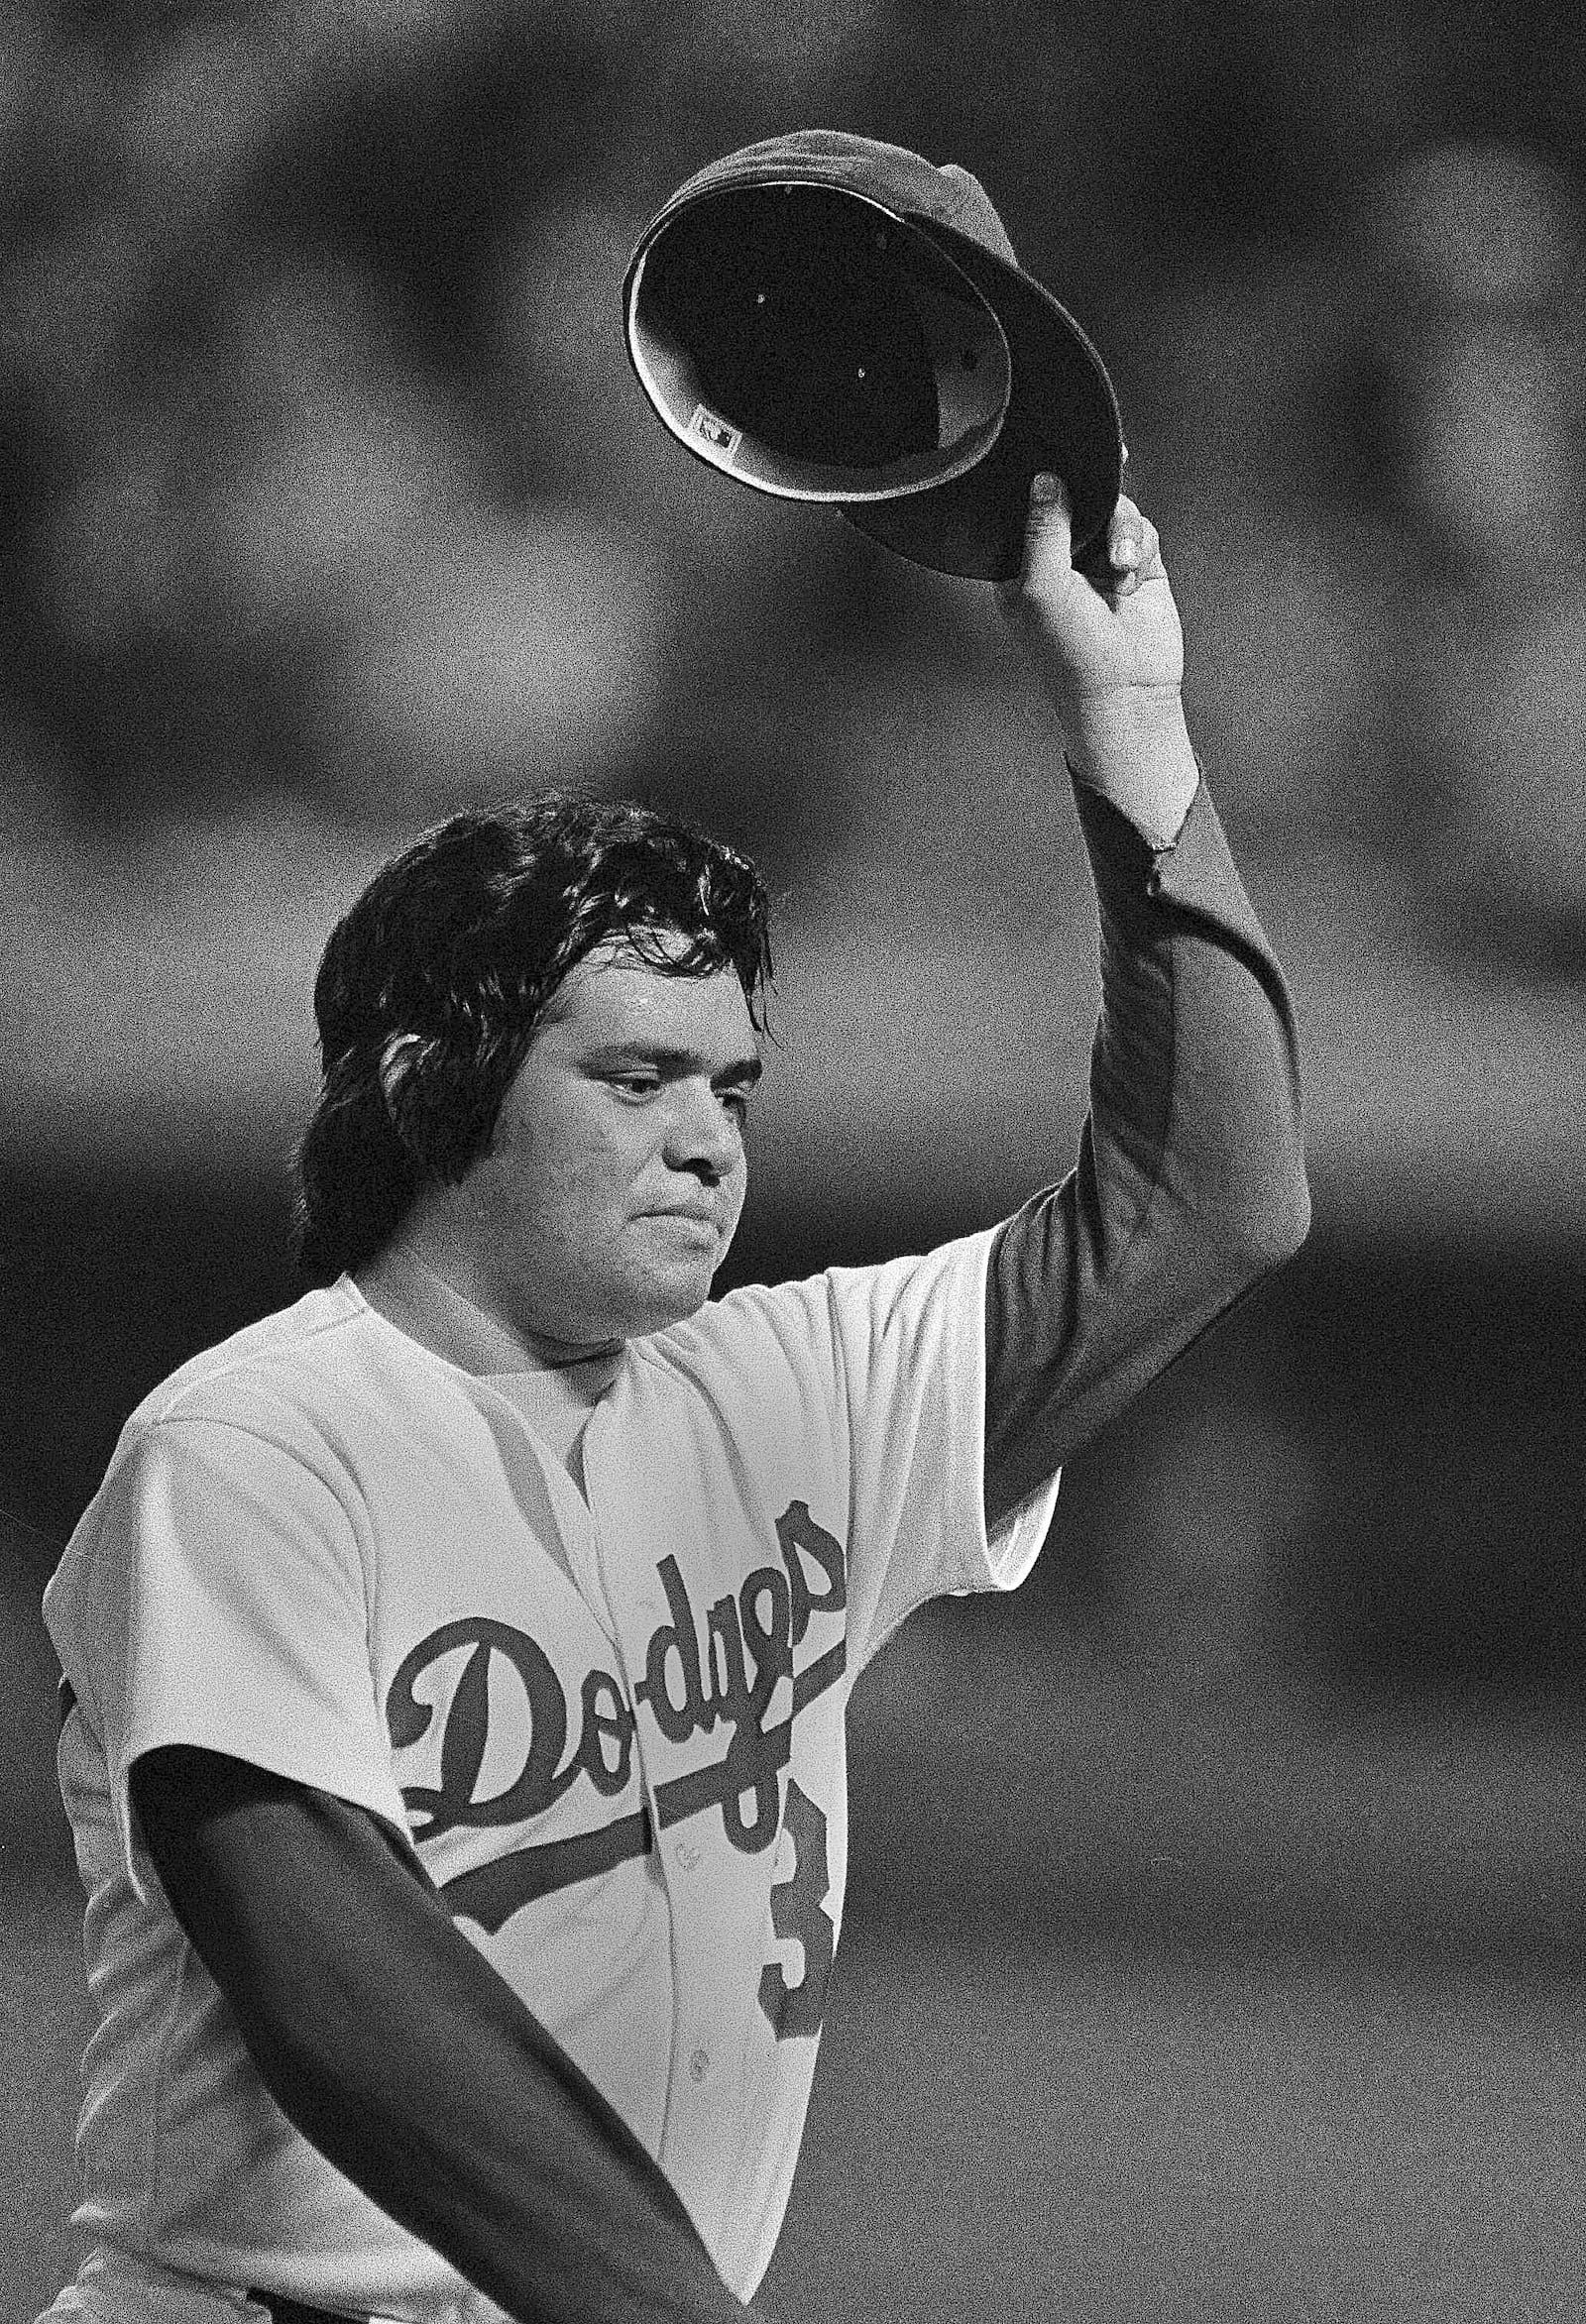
(672,1283)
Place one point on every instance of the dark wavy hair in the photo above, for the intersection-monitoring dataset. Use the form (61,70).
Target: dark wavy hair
(432,986)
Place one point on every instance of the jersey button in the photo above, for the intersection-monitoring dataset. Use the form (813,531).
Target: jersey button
(699,2065)
(687,1855)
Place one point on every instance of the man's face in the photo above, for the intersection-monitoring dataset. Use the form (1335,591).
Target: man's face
(615,1177)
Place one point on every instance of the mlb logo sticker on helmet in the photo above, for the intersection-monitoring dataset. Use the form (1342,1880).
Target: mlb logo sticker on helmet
(721,439)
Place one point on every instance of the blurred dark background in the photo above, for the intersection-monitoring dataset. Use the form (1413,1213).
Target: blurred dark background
(1215,1931)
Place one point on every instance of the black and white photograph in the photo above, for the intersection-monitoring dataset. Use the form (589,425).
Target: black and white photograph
(793,1169)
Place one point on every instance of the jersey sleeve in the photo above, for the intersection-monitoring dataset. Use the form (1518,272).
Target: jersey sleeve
(474,2131)
(911,1349)
(214,1595)
(972,1374)
(1190,1183)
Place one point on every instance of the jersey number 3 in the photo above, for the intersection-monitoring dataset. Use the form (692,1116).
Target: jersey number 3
(798,1912)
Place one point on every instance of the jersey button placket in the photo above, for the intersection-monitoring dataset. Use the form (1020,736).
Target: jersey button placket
(699,2065)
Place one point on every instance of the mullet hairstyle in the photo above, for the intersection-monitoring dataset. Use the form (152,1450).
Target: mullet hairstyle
(431,987)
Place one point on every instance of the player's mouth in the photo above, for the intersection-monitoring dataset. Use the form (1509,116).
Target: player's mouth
(695,1225)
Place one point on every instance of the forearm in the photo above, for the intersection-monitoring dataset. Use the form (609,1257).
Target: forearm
(1189,1182)
(1137,755)
(393,2045)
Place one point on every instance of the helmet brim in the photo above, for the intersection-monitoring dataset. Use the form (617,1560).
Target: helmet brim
(1063,417)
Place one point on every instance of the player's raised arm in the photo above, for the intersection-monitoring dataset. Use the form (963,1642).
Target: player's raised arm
(1190,1180)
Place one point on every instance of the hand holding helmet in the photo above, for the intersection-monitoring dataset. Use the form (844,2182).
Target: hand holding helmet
(1107,647)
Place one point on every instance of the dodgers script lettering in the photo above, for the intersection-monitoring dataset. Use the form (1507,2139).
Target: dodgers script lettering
(697,1676)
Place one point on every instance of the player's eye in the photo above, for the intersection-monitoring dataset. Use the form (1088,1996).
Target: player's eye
(635,1085)
(735,1099)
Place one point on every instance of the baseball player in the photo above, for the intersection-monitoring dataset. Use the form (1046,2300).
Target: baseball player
(455,1663)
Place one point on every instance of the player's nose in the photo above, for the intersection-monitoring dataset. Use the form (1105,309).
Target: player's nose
(703,1137)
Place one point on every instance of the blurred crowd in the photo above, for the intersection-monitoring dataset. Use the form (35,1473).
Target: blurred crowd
(331,503)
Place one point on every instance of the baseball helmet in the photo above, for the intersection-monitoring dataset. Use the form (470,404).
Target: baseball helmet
(827,318)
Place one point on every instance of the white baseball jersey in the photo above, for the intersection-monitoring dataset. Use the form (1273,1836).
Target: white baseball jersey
(612,1721)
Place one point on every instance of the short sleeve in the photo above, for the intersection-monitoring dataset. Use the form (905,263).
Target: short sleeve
(214,1595)
(911,1342)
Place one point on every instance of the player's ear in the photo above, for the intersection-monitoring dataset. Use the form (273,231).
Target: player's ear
(398,1058)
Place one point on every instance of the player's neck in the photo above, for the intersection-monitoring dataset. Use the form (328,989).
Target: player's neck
(415,1288)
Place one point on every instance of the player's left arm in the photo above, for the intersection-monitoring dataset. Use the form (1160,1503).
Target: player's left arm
(1190,1181)
(395,2046)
